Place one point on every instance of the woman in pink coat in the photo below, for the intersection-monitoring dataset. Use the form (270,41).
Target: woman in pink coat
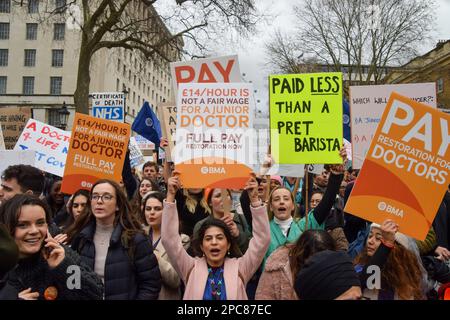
(216,273)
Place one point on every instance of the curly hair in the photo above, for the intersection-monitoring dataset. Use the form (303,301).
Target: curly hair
(401,272)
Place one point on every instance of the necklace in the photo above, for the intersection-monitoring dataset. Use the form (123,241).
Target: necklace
(215,276)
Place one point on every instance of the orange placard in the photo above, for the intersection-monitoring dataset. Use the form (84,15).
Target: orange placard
(406,171)
(97,151)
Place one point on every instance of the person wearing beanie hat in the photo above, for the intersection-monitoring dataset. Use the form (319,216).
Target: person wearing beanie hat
(275,181)
(328,275)
(401,273)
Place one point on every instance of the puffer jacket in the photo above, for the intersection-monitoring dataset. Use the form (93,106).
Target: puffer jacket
(125,279)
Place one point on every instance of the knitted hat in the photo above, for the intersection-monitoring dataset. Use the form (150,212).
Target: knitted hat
(9,253)
(277,178)
(325,276)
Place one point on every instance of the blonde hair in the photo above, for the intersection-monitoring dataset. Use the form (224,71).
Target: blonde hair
(269,211)
(191,202)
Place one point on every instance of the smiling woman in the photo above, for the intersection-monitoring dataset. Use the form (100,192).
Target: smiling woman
(43,263)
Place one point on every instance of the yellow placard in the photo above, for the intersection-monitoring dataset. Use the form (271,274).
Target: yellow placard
(306,117)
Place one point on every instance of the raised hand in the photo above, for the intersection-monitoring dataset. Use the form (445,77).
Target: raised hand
(252,189)
(163,142)
(388,230)
(173,184)
(340,168)
(53,252)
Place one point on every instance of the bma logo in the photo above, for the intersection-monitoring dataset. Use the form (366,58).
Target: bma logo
(206,170)
(383,206)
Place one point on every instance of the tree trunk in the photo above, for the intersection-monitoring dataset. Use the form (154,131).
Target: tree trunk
(81,95)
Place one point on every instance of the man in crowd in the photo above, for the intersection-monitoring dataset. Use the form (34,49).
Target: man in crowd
(18,179)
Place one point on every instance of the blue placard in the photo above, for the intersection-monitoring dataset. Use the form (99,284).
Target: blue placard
(109,113)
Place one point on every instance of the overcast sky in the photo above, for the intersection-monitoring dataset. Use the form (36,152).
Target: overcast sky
(251,52)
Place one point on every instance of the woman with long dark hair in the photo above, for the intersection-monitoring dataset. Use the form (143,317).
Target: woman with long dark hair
(217,272)
(45,266)
(151,214)
(110,240)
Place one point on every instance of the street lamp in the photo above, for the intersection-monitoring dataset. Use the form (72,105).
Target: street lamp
(125,93)
(63,116)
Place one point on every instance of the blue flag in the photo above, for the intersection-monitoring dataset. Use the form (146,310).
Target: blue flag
(147,124)
(346,120)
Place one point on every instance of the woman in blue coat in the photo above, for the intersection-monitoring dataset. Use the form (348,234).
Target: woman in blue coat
(110,240)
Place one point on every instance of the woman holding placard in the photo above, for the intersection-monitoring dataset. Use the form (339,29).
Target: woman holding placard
(217,258)
(284,228)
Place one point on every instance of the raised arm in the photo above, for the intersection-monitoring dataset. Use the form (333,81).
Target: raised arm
(337,174)
(249,263)
(170,237)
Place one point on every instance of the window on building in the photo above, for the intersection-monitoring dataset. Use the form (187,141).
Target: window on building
(3,57)
(55,85)
(139,99)
(153,94)
(118,65)
(31,31)
(124,71)
(57,57)
(440,85)
(129,75)
(30,58)
(139,84)
(134,97)
(156,97)
(28,85)
(5,6)
(134,112)
(134,80)
(4,30)
(33,6)
(3,85)
(60,6)
(59,31)
(117,84)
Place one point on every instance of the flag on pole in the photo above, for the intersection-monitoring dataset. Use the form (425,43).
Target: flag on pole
(147,124)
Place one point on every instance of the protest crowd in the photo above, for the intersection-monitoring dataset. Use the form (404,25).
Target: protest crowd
(144,233)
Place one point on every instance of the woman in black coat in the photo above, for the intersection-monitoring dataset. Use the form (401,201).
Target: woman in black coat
(46,269)
(110,240)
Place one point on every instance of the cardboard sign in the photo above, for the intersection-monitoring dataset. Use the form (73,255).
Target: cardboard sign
(136,156)
(13,120)
(214,145)
(406,171)
(167,114)
(108,105)
(2,142)
(97,151)
(306,117)
(367,104)
(11,157)
(50,144)
(209,70)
